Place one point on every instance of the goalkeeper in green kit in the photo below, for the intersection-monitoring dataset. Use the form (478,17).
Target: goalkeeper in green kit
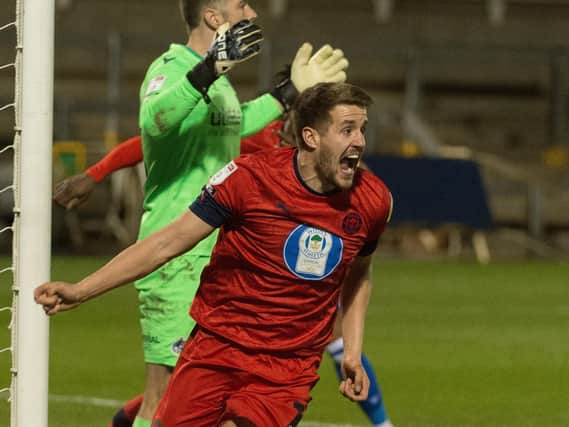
(191,125)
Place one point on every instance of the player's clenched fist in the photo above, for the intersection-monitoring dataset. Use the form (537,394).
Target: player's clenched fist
(355,385)
(56,297)
(74,191)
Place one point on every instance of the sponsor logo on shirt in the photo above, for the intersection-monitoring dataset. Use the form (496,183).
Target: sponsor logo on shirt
(312,254)
(225,118)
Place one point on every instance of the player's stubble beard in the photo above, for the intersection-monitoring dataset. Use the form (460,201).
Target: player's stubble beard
(327,168)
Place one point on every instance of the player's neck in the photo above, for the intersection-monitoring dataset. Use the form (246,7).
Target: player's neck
(309,174)
(200,39)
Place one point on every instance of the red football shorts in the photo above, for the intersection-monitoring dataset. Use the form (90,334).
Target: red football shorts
(216,381)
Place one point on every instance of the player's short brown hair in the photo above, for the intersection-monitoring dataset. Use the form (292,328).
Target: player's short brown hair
(191,10)
(313,106)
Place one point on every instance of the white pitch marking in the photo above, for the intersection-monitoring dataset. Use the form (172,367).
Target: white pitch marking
(87,400)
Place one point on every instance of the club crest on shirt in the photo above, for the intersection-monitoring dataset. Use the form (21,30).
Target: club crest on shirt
(352,223)
(312,254)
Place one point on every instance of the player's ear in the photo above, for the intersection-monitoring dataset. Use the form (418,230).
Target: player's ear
(311,137)
(212,18)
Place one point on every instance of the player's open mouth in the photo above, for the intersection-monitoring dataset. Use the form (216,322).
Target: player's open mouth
(349,163)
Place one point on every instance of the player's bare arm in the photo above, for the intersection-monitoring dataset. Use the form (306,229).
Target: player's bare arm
(356,292)
(75,190)
(133,263)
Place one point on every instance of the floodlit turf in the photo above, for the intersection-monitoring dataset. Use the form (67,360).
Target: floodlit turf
(453,344)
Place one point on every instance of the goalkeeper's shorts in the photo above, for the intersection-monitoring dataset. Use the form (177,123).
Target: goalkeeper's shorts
(165,298)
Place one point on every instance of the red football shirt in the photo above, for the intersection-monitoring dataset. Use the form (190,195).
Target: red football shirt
(283,250)
(264,139)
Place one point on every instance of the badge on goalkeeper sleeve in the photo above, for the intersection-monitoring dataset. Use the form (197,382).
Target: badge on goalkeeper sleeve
(230,47)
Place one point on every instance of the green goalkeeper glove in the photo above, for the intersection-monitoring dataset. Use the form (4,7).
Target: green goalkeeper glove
(326,65)
(230,46)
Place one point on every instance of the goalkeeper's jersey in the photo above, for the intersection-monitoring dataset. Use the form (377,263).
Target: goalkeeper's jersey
(187,138)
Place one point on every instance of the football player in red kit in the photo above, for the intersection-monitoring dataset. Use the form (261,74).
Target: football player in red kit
(298,227)
(74,190)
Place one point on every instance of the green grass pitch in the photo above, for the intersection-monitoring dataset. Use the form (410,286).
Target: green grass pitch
(453,345)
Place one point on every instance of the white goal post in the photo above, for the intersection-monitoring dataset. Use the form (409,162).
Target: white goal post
(32,209)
